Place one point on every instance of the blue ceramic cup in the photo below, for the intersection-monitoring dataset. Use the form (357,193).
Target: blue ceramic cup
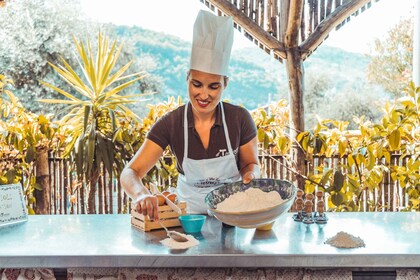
(192,223)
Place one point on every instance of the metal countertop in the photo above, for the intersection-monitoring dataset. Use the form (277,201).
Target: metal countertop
(61,241)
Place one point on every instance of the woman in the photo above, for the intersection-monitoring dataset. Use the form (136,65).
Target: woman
(214,142)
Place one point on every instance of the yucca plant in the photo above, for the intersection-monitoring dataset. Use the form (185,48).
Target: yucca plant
(92,119)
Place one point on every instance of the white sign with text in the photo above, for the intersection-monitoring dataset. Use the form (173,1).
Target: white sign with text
(12,205)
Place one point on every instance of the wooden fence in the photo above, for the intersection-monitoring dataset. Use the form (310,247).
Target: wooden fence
(68,196)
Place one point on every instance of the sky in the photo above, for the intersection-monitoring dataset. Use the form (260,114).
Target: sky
(177,18)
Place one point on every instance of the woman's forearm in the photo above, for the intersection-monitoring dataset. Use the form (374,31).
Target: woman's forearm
(132,184)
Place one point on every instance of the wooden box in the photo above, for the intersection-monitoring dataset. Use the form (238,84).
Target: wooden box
(167,216)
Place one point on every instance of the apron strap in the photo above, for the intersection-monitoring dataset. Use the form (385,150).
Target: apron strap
(229,146)
(185,133)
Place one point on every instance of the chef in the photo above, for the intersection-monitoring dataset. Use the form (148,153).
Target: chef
(214,142)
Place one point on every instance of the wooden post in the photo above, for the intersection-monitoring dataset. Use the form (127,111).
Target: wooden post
(296,89)
(295,74)
(43,197)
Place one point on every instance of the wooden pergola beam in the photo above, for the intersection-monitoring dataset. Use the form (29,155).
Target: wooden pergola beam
(251,26)
(328,24)
(293,26)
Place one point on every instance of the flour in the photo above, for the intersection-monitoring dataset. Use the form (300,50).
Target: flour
(345,240)
(250,200)
(169,242)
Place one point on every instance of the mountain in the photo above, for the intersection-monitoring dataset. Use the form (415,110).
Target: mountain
(254,75)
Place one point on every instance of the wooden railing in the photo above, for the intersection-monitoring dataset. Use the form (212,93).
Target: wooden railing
(69,196)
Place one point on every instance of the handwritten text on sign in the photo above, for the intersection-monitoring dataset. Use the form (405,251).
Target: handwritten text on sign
(12,205)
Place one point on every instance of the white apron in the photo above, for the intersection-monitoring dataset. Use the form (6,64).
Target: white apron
(202,176)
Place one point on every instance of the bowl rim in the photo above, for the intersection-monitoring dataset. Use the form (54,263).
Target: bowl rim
(197,217)
(250,212)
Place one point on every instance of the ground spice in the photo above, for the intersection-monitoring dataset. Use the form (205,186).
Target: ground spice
(169,242)
(345,240)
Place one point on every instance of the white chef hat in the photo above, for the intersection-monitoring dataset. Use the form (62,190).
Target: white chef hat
(212,43)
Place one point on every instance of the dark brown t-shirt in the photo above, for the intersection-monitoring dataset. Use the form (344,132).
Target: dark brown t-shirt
(169,130)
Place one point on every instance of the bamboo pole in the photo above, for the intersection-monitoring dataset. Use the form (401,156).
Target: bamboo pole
(66,187)
(269,28)
(251,10)
(119,197)
(274,19)
(61,186)
(53,184)
(329,7)
(303,24)
(111,193)
(311,16)
(322,11)
(316,15)
(283,20)
(337,3)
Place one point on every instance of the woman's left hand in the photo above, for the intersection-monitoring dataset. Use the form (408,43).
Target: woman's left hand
(248,177)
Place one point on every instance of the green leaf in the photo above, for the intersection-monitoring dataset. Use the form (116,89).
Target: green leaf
(394,139)
(86,117)
(282,144)
(318,145)
(30,210)
(266,141)
(80,155)
(338,180)
(337,199)
(261,135)
(11,176)
(42,120)
(113,120)
(326,177)
(371,159)
(90,151)
(305,142)
(350,159)
(66,94)
(342,146)
(38,187)
(104,153)
(30,154)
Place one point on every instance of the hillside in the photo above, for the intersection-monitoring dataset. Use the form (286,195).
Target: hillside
(253,73)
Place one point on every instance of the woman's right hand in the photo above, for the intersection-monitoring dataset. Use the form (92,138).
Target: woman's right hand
(147,204)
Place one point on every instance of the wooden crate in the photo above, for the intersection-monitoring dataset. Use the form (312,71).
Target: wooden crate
(167,216)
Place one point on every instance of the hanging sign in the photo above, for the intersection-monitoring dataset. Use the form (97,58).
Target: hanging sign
(12,205)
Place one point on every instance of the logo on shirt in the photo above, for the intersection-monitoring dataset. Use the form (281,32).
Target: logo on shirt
(222,153)
(225,152)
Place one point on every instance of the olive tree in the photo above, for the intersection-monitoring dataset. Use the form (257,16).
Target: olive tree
(391,64)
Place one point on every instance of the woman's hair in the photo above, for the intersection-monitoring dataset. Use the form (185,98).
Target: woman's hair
(225,78)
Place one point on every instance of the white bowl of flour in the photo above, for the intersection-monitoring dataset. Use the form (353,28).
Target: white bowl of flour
(254,205)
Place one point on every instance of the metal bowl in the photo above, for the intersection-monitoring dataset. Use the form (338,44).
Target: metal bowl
(252,219)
